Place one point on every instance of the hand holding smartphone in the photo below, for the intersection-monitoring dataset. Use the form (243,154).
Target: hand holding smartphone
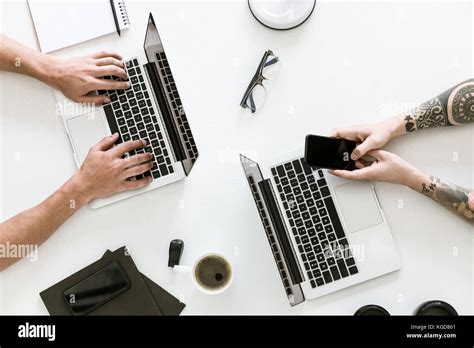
(329,153)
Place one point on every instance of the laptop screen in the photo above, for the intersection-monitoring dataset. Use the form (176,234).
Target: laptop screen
(255,179)
(168,99)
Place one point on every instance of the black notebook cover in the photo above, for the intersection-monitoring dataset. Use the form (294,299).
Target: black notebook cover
(167,303)
(140,299)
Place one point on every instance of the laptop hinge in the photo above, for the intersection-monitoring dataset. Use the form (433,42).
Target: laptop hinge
(281,232)
(168,120)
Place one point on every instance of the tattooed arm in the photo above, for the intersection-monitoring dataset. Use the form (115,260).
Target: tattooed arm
(452,196)
(388,167)
(454,107)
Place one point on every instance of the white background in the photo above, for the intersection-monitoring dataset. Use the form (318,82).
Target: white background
(352,62)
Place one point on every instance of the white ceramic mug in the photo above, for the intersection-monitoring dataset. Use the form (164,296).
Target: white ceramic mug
(197,283)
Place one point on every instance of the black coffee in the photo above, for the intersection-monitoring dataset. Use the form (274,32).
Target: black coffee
(213,272)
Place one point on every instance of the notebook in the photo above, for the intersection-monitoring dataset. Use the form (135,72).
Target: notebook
(60,23)
(144,297)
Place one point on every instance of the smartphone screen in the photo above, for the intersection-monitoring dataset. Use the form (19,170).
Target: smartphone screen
(330,153)
(97,289)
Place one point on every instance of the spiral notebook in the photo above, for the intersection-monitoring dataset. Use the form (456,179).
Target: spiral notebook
(60,23)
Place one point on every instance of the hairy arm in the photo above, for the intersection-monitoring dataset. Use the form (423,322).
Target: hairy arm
(454,107)
(33,226)
(18,58)
(103,173)
(77,78)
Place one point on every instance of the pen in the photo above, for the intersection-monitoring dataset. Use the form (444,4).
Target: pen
(115,17)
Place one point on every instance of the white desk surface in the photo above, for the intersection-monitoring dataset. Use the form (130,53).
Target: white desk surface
(351,62)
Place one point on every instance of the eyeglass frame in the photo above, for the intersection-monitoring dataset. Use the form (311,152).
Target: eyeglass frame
(257,79)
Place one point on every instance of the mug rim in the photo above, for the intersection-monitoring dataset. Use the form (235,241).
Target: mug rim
(439,304)
(203,289)
(362,310)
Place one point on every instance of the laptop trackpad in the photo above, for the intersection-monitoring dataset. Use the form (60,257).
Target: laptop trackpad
(86,131)
(358,205)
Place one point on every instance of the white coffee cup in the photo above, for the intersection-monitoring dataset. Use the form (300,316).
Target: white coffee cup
(208,285)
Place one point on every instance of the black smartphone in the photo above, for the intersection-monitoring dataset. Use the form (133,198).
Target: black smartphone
(330,153)
(97,289)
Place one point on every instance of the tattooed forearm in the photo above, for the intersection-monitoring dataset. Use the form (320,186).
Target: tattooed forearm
(427,115)
(454,107)
(452,196)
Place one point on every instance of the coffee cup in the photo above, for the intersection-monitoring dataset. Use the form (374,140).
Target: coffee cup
(436,308)
(211,273)
(371,310)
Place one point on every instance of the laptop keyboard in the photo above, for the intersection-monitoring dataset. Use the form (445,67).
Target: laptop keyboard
(314,222)
(177,106)
(132,115)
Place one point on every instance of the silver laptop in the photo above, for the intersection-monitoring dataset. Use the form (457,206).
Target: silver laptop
(325,233)
(150,109)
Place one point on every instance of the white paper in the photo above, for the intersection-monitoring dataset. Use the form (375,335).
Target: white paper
(60,24)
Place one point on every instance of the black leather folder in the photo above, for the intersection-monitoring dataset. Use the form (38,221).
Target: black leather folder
(167,303)
(144,297)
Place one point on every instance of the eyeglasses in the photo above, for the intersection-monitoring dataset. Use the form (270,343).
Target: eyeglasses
(256,93)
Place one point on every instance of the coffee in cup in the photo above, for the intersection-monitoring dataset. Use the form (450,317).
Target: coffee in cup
(212,272)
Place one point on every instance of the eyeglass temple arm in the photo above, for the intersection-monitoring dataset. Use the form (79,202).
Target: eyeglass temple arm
(255,77)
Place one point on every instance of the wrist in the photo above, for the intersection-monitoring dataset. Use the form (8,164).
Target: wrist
(416,179)
(76,191)
(396,126)
(46,69)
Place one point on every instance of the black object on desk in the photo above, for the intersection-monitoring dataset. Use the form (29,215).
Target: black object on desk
(371,310)
(115,17)
(144,297)
(168,304)
(435,307)
(97,289)
(175,252)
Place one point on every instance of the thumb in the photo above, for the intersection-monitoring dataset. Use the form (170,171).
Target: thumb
(94,99)
(362,149)
(106,143)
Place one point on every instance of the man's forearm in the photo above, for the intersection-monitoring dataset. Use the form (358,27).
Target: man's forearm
(454,107)
(453,197)
(32,227)
(18,58)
